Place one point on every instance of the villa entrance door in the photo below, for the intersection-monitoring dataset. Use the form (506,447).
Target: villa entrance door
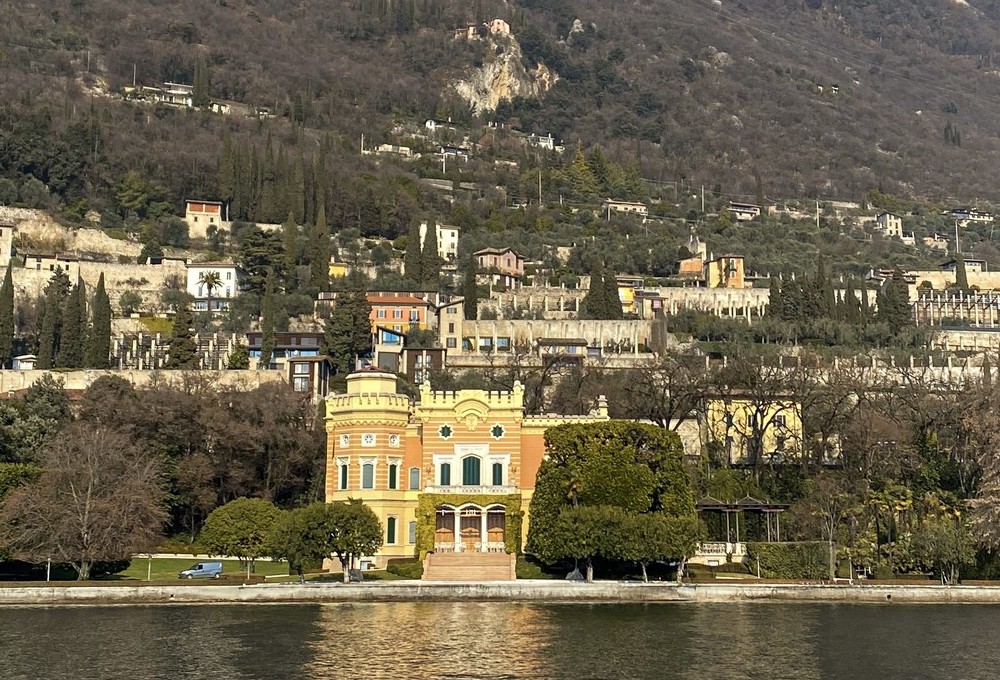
(471,530)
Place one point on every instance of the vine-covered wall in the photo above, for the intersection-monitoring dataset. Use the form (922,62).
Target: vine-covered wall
(429,503)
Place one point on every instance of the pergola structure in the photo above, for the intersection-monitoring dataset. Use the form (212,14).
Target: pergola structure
(734,512)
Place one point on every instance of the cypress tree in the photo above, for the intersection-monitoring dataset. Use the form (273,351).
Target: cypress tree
(7,318)
(199,95)
(298,206)
(320,247)
(961,275)
(613,308)
(866,310)
(595,302)
(430,262)
(181,345)
(348,330)
(851,310)
(290,236)
(48,338)
(775,302)
(470,290)
(99,340)
(227,169)
(267,322)
(412,258)
(71,342)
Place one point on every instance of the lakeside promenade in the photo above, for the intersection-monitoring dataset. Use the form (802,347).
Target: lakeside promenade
(501,591)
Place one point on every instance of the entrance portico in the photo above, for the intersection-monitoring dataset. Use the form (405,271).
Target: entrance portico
(470,528)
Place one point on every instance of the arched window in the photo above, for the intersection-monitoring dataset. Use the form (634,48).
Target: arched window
(470,471)
(390,531)
(414,478)
(413,533)
(445,479)
(497,474)
(393,475)
(368,475)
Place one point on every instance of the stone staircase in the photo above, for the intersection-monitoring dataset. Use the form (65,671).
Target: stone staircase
(470,566)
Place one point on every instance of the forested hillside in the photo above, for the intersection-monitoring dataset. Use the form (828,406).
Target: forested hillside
(781,98)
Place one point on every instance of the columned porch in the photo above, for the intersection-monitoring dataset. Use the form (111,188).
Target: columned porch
(470,528)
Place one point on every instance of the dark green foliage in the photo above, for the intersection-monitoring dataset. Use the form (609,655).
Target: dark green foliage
(319,247)
(596,303)
(348,330)
(470,289)
(775,300)
(56,293)
(201,85)
(800,560)
(99,339)
(238,359)
(182,349)
(407,568)
(13,475)
(267,322)
(893,303)
(290,236)
(150,249)
(613,310)
(961,275)
(7,319)
(74,330)
(430,262)
(413,259)
(261,252)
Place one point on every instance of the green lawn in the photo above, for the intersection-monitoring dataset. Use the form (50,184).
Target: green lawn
(166,569)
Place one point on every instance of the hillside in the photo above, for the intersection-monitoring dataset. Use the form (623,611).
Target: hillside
(776,98)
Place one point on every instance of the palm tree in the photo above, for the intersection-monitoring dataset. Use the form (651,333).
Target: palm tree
(211,281)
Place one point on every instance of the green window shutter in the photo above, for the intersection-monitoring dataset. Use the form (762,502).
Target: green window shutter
(445,474)
(497,474)
(368,476)
(470,471)
(392,475)
(343,477)
(390,530)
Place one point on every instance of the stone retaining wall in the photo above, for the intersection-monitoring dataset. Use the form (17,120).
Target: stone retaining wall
(519,591)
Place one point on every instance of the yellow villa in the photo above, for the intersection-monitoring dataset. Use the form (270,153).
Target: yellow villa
(744,431)
(450,477)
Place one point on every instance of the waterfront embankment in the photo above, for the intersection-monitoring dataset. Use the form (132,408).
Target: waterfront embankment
(506,591)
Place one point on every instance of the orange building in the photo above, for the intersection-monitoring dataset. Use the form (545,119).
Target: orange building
(450,477)
(397,313)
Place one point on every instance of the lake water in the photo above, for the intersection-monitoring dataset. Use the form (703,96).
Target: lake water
(501,641)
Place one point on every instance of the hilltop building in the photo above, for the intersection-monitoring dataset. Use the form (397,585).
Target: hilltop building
(450,477)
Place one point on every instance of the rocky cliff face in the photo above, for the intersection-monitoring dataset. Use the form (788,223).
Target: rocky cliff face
(503,77)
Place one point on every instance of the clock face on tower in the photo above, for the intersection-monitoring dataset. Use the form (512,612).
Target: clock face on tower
(368,439)
(394,440)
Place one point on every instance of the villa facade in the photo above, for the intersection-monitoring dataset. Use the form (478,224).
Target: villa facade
(451,475)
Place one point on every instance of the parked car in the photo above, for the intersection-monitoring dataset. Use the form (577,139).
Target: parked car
(203,570)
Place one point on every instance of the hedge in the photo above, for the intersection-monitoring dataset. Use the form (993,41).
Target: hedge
(800,560)
(409,567)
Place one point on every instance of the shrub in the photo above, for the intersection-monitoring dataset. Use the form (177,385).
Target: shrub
(528,569)
(410,567)
(801,560)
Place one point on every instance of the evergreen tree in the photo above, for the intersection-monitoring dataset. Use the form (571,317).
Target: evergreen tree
(183,351)
(961,276)
(470,290)
(319,177)
(866,310)
(227,169)
(595,302)
(99,340)
(267,322)
(290,236)
(851,309)
(894,303)
(199,95)
(7,318)
(48,338)
(348,330)
(430,261)
(320,247)
(412,258)
(71,343)
(613,310)
(298,206)
(775,301)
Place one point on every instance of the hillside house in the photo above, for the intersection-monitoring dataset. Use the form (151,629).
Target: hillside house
(213,285)
(966,215)
(394,149)
(467,32)
(393,314)
(498,27)
(49,263)
(501,266)
(454,151)
(726,271)
(626,207)
(936,242)
(438,125)
(548,142)
(199,215)
(971,266)
(744,212)
(447,240)
(890,224)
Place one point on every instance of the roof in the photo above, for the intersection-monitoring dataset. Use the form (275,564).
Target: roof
(396,300)
(191,265)
(561,341)
(497,251)
(200,200)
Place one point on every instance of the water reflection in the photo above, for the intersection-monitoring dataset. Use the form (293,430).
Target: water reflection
(500,641)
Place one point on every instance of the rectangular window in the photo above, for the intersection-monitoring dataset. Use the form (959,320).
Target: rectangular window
(397,314)
(779,421)
(393,473)
(497,474)
(453,310)
(445,474)
(450,343)
(343,475)
(414,316)
(368,475)
(380,314)
(414,478)
(412,533)
(301,369)
(451,327)
(300,384)
(390,531)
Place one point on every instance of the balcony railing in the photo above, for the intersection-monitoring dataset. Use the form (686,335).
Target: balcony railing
(490,489)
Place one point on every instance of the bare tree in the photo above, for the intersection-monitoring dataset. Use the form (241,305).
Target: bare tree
(99,499)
